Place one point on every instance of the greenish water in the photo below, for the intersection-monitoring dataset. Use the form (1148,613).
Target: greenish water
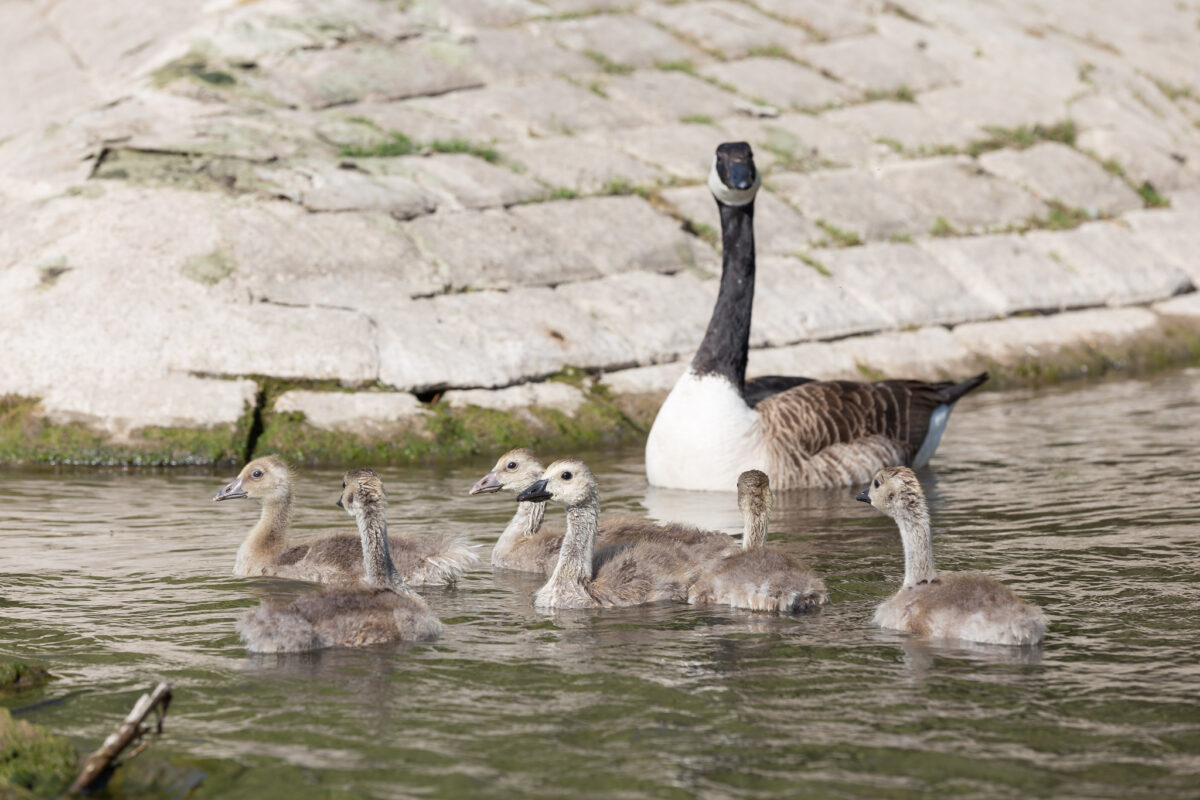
(1085,499)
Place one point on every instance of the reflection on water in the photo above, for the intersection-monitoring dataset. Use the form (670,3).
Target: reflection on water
(1084,499)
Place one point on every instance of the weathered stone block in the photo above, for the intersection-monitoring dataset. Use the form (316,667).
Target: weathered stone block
(852,201)
(873,63)
(362,413)
(1053,171)
(683,150)
(581,165)
(828,20)
(465,181)
(985,103)
(802,141)
(279,341)
(490,339)
(668,96)
(1011,275)
(1012,341)
(778,229)
(728,28)
(904,284)
(779,82)
(1175,235)
(621,39)
(823,362)
(545,394)
(1141,160)
(368,71)
(645,380)
(475,13)
(631,308)
(958,191)
(515,54)
(325,187)
(930,354)
(496,249)
(1112,259)
(794,302)
(615,234)
(906,124)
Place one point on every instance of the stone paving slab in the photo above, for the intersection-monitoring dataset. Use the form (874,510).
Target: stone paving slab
(580,165)
(122,406)
(985,104)
(905,285)
(460,180)
(549,394)
(621,39)
(798,302)
(802,141)
(326,187)
(668,96)
(778,229)
(1053,171)
(873,63)
(1109,256)
(853,201)
(493,339)
(1012,275)
(516,55)
(1013,341)
(729,29)
(618,235)
(630,308)
(683,150)
(779,82)
(931,353)
(910,126)
(1175,235)
(827,20)
(362,413)
(956,189)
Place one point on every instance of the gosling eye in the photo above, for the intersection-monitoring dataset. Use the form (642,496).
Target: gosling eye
(876,483)
(511,465)
(258,473)
(566,476)
(343,484)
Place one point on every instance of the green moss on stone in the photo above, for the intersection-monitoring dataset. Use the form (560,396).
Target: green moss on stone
(33,763)
(209,268)
(1023,137)
(396,144)
(16,676)
(27,437)
(194,66)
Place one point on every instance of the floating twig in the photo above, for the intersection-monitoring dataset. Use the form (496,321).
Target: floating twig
(132,731)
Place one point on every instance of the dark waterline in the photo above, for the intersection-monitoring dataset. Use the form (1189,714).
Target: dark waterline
(1085,499)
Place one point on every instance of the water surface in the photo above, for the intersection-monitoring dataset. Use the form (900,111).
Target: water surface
(1086,499)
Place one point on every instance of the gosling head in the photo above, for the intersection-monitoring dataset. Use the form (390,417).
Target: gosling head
(567,482)
(266,478)
(514,472)
(733,180)
(362,489)
(754,493)
(896,492)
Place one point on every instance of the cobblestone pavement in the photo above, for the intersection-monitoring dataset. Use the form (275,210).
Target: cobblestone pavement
(462,198)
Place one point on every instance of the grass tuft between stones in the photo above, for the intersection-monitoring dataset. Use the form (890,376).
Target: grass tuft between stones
(1023,137)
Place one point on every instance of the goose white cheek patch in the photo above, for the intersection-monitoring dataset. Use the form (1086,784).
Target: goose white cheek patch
(732,197)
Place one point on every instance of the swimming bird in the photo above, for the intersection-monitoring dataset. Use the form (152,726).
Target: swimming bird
(758,578)
(967,606)
(525,545)
(421,560)
(804,433)
(381,610)
(646,571)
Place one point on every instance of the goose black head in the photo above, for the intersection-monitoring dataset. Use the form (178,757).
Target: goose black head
(734,180)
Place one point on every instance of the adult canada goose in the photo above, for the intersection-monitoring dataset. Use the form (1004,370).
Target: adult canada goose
(645,571)
(525,545)
(757,578)
(422,560)
(966,606)
(382,610)
(804,433)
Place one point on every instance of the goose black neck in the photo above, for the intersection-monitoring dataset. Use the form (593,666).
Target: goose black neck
(727,340)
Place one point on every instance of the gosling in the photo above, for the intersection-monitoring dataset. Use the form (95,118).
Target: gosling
(337,558)
(382,610)
(968,606)
(646,571)
(525,546)
(759,579)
